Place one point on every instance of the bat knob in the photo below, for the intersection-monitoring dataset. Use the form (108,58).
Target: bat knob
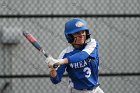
(55,65)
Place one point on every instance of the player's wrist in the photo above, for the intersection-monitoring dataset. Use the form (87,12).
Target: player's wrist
(52,69)
(63,61)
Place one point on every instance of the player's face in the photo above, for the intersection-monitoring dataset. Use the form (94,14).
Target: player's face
(79,37)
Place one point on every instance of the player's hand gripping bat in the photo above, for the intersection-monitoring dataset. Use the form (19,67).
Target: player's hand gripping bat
(36,44)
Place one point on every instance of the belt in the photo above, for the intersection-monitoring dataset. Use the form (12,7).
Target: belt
(91,88)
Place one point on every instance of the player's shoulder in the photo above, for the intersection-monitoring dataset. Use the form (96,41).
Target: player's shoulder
(93,41)
(66,50)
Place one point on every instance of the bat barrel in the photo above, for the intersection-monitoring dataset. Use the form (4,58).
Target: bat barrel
(25,33)
(36,44)
(32,40)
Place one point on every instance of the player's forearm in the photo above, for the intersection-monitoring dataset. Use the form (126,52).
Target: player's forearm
(64,61)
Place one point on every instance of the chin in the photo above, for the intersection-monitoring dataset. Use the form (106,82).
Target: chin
(81,43)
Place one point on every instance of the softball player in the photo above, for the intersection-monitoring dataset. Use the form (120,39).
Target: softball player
(80,59)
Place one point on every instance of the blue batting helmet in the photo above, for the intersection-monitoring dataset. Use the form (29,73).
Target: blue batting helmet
(75,25)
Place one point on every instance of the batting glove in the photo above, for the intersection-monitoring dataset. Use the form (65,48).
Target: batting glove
(53,63)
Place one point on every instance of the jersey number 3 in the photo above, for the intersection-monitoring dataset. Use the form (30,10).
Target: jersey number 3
(87,71)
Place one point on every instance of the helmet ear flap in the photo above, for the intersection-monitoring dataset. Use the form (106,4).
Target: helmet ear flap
(70,38)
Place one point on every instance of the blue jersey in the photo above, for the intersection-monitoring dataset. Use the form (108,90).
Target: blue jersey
(82,67)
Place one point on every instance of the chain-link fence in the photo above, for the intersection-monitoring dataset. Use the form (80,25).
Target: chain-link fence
(114,23)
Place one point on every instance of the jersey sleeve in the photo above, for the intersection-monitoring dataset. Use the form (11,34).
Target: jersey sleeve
(84,54)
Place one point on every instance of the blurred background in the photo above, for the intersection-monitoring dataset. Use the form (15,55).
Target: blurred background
(114,23)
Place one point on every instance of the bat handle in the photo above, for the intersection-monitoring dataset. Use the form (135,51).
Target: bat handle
(44,52)
(55,65)
(46,55)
